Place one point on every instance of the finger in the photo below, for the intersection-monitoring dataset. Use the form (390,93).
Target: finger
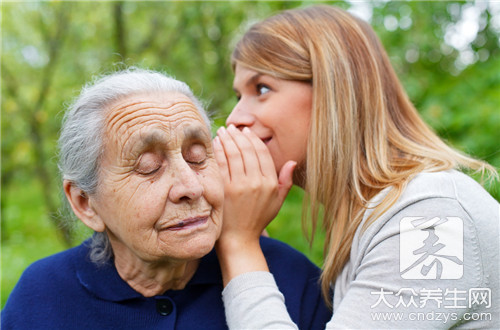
(265,160)
(247,150)
(220,157)
(233,155)
(285,179)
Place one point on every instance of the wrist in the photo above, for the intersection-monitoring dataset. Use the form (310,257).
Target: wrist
(237,257)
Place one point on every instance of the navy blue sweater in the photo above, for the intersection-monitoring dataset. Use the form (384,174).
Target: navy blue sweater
(68,291)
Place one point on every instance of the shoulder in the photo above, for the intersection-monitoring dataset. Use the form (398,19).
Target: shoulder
(444,184)
(50,277)
(48,274)
(445,217)
(449,199)
(444,209)
(445,193)
(55,265)
(450,184)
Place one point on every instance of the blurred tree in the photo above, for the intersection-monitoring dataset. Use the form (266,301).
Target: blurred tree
(446,54)
(30,110)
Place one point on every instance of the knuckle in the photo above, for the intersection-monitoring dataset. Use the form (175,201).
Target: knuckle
(272,186)
(235,190)
(254,186)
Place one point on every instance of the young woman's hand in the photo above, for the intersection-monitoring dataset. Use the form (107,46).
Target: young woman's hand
(254,194)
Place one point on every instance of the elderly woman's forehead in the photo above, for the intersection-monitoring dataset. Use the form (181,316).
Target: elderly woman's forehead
(155,100)
(143,120)
(167,106)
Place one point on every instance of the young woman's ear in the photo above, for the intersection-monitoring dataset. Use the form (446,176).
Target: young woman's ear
(80,204)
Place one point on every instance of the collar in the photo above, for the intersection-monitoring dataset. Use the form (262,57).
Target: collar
(104,281)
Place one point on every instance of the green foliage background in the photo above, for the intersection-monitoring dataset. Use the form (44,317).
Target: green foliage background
(50,49)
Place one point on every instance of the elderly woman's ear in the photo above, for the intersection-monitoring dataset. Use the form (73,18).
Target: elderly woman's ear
(81,204)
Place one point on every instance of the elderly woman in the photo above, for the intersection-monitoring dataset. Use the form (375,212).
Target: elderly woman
(138,168)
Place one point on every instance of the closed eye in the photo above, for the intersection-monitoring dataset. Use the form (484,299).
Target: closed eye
(195,154)
(148,164)
(148,171)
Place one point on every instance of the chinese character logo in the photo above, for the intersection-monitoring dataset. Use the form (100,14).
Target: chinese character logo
(431,248)
(480,296)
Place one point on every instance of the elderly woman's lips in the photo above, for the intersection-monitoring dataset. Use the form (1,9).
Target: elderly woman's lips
(188,223)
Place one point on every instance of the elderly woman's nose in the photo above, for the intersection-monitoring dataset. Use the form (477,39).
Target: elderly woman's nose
(187,185)
(240,116)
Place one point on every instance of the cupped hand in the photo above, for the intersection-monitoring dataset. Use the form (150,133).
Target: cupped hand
(253,195)
(253,191)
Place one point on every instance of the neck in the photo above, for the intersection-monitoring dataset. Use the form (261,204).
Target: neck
(154,278)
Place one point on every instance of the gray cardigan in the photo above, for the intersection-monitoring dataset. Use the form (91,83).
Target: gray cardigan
(430,261)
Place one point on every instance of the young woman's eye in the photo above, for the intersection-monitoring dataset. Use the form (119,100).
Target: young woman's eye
(262,89)
(148,164)
(195,154)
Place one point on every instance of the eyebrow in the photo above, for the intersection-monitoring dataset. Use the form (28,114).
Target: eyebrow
(150,139)
(250,81)
(196,133)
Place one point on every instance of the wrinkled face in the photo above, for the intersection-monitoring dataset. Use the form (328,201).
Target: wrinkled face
(160,193)
(276,110)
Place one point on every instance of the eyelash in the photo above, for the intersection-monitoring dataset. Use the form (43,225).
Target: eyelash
(197,164)
(149,173)
(201,162)
(257,89)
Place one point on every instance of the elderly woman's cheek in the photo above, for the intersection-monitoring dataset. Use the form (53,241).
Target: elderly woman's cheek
(148,199)
(214,191)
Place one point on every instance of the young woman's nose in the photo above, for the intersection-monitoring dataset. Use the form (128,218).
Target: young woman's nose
(187,184)
(240,116)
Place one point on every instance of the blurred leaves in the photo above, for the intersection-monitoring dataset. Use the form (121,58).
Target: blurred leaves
(50,49)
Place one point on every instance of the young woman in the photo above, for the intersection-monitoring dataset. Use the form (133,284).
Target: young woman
(409,239)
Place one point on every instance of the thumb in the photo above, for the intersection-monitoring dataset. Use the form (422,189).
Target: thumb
(285,180)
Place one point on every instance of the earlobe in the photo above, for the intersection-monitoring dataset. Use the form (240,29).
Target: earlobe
(80,203)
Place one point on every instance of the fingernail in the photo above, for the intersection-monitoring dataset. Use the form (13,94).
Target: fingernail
(216,141)
(221,130)
(231,127)
(246,130)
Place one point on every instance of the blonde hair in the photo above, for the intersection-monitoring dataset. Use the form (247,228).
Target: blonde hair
(365,134)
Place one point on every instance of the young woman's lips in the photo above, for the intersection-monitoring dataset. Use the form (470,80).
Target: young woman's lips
(188,223)
(266,140)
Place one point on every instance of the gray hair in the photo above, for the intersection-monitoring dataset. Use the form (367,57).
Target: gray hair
(81,138)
